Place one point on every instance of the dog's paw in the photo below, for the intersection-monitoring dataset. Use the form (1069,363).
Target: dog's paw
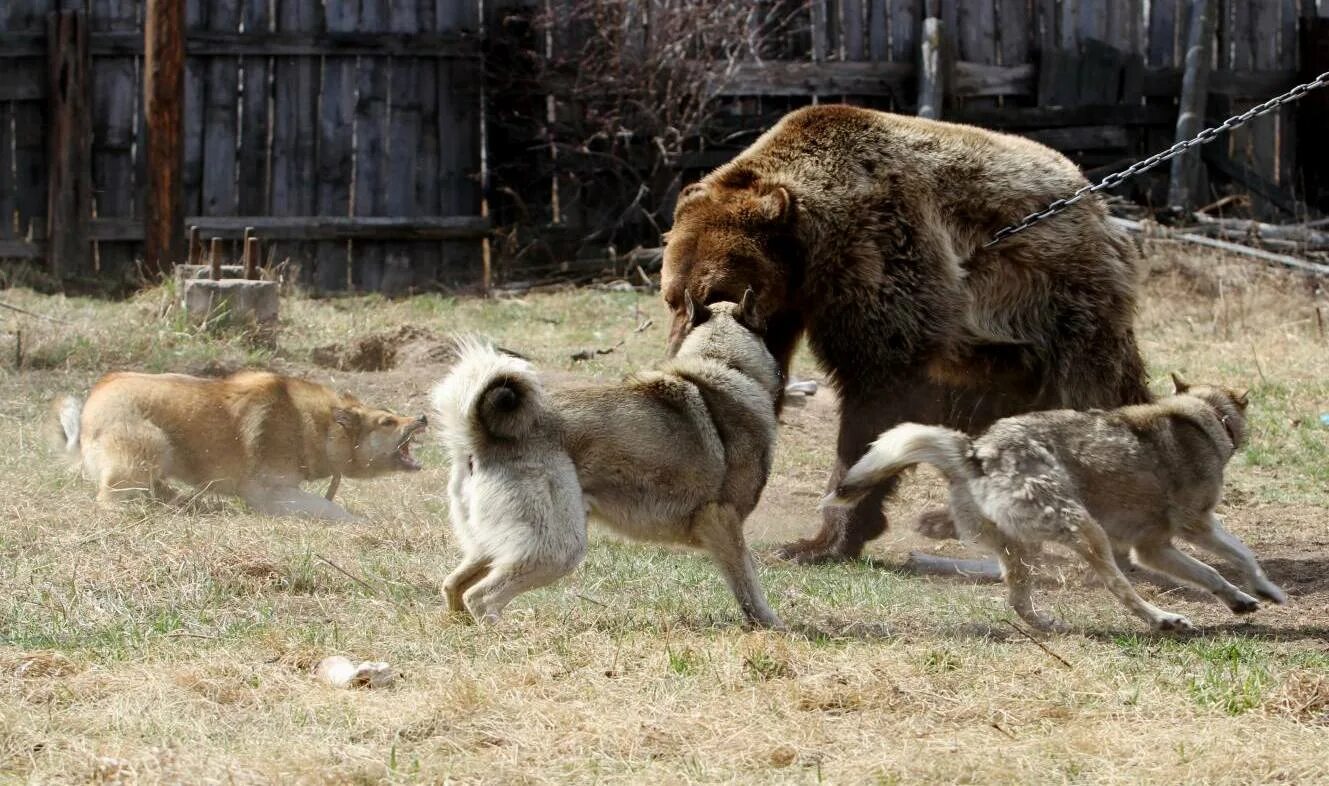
(1045,624)
(1173,623)
(1241,603)
(1271,592)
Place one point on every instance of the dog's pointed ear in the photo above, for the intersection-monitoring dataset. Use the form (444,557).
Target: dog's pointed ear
(697,312)
(748,314)
(1179,385)
(345,418)
(1242,398)
(776,205)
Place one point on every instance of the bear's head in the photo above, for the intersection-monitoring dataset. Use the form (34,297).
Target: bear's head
(734,232)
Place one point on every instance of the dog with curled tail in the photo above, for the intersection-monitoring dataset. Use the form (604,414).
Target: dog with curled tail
(679,455)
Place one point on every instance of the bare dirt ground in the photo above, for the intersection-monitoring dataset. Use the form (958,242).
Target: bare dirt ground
(167,645)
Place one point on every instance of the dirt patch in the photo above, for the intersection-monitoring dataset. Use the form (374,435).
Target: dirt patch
(407,346)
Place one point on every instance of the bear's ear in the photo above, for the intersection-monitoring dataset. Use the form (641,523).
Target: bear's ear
(748,315)
(1179,385)
(697,312)
(692,191)
(776,204)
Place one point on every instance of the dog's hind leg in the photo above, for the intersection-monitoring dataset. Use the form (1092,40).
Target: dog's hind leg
(719,530)
(1167,558)
(487,597)
(1213,537)
(1017,559)
(471,570)
(1087,538)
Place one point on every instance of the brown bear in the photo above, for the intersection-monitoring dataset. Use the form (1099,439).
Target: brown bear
(866,230)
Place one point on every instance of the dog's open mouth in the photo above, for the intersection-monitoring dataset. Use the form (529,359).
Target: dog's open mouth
(412,436)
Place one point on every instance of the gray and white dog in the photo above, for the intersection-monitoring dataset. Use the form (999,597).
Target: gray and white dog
(1103,483)
(675,455)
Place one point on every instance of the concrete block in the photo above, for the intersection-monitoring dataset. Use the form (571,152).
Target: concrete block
(238,297)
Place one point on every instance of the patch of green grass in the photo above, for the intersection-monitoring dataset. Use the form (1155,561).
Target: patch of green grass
(1230,675)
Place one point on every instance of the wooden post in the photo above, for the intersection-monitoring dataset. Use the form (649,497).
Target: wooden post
(931,78)
(163,97)
(215,258)
(251,254)
(69,191)
(195,246)
(1194,94)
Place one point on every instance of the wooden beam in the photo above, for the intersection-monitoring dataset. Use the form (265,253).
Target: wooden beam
(1194,95)
(265,44)
(69,165)
(163,96)
(309,228)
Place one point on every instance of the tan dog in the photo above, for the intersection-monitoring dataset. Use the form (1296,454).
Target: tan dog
(677,455)
(254,434)
(1099,482)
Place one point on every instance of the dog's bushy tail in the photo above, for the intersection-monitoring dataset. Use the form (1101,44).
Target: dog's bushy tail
(487,397)
(901,448)
(61,426)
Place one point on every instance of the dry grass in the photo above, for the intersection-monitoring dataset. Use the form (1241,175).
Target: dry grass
(163,645)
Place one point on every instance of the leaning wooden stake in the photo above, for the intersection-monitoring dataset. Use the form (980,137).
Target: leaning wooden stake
(251,257)
(215,258)
(195,246)
(1194,94)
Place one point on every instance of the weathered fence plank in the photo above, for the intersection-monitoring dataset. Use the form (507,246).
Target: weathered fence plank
(459,147)
(195,96)
(116,100)
(220,117)
(853,41)
(294,127)
(371,114)
(69,184)
(252,163)
(336,124)
(29,138)
(1163,26)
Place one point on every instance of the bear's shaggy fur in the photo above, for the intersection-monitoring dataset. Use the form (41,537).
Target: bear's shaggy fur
(866,230)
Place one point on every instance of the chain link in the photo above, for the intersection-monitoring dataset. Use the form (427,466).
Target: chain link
(1201,138)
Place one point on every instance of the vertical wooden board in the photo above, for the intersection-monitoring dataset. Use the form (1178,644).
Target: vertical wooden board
(196,68)
(371,115)
(459,148)
(403,142)
(1123,25)
(294,128)
(1068,24)
(1093,19)
(1164,18)
(336,126)
(1016,32)
(821,35)
(220,117)
(906,20)
(879,30)
(6,173)
(426,261)
(69,183)
(1266,29)
(28,16)
(1288,58)
(116,100)
(255,118)
(977,38)
(853,41)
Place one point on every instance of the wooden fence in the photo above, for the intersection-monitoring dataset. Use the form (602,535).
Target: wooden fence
(346,134)
(1098,80)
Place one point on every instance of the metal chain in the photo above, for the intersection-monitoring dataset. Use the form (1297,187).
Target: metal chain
(1204,136)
